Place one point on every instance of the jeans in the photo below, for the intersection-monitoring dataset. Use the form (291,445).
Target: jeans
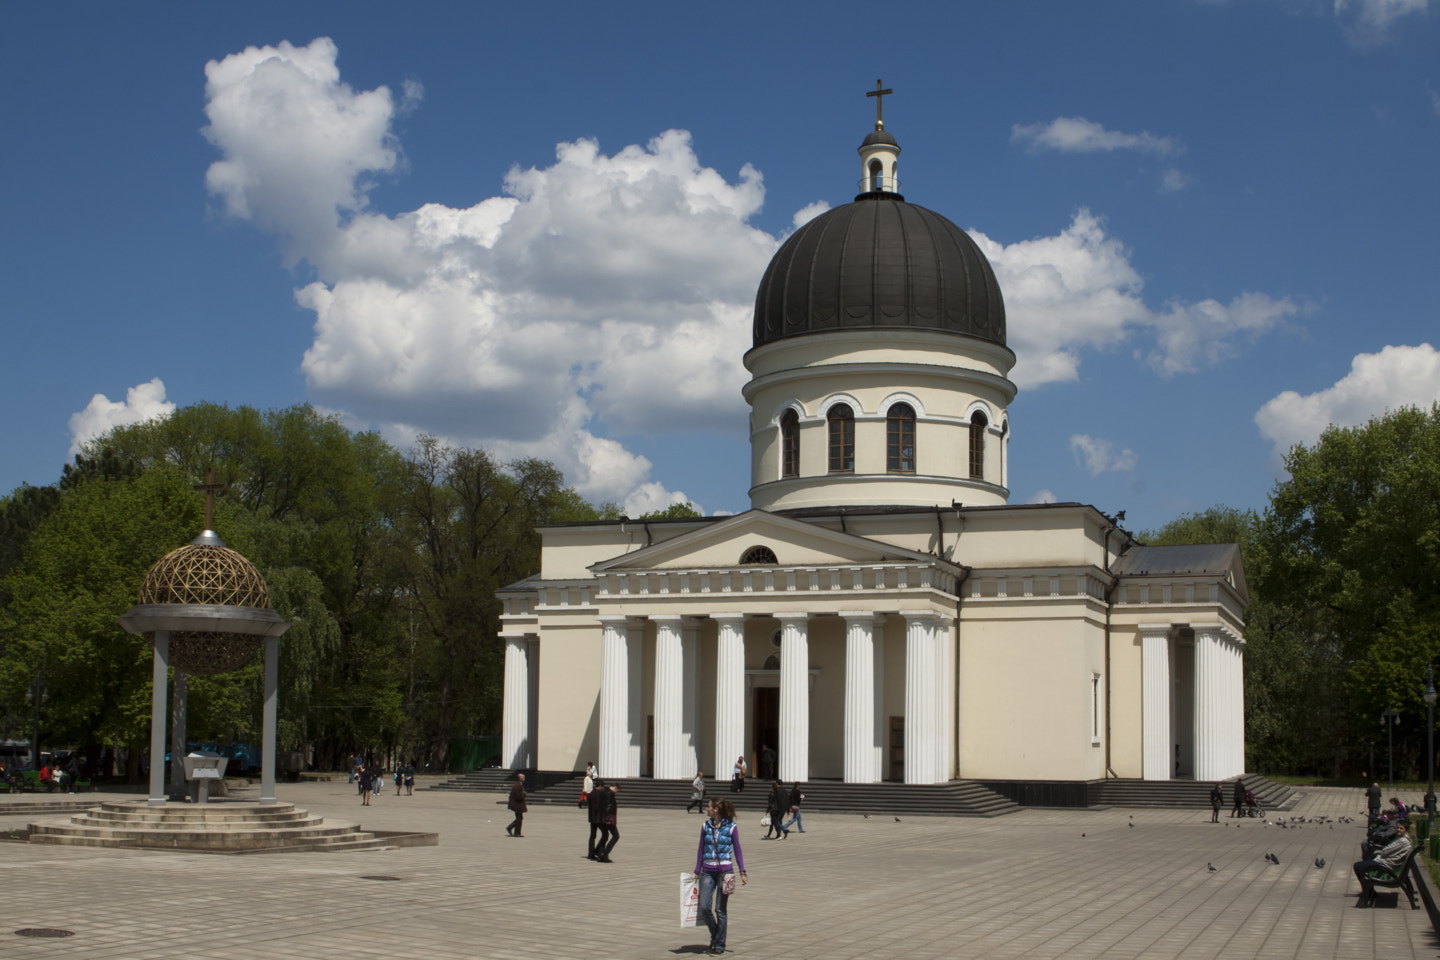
(714,919)
(795,820)
(1363,867)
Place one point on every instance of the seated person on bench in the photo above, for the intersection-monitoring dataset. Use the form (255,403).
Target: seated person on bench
(1391,858)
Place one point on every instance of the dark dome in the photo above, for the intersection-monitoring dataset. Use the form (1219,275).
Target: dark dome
(879,263)
(879,136)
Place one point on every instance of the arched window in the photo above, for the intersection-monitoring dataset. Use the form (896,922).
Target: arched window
(900,439)
(758,555)
(841,421)
(877,181)
(789,444)
(978,423)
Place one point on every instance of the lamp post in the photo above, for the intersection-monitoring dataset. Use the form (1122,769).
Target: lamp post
(1391,720)
(1430,747)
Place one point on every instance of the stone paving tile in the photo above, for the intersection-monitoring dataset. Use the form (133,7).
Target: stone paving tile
(1035,884)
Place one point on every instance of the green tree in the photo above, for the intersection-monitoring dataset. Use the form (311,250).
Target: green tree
(676,511)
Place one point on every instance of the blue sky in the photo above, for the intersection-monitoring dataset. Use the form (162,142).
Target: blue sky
(1213,222)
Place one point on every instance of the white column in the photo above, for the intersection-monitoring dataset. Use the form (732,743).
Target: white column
(159,678)
(635,663)
(860,755)
(881,732)
(1155,701)
(922,699)
(671,762)
(267,724)
(794,697)
(1238,643)
(515,708)
(1209,686)
(690,696)
(614,759)
(729,693)
(945,683)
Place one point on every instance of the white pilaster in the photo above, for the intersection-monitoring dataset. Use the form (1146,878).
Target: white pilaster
(690,696)
(861,758)
(923,743)
(729,693)
(515,707)
(635,664)
(1209,688)
(615,736)
(671,762)
(1155,700)
(794,697)
(1238,643)
(945,655)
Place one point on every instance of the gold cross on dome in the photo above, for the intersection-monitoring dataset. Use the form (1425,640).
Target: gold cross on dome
(879,93)
(209,488)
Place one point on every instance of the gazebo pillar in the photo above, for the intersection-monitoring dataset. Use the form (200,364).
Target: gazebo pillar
(267,747)
(159,679)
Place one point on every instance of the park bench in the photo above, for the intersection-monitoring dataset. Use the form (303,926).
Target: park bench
(1398,880)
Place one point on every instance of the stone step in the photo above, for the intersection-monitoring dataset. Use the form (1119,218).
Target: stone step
(299,823)
(183,818)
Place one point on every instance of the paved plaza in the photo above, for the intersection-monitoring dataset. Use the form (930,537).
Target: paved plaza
(1035,884)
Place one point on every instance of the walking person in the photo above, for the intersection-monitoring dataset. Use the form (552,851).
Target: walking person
(737,779)
(775,807)
(1372,800)
(609,821)
(697,794)
(410,778)
(1217,797)
(367,781)
(517,804)
(595,813)
(1239,809)
(795,797)
(718,861)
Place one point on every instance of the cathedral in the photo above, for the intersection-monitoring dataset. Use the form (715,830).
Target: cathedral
(882,612)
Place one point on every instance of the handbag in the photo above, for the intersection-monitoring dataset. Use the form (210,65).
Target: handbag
(795,808)
(765,820)
(727,884)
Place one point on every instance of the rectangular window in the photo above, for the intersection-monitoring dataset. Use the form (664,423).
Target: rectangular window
(900,445)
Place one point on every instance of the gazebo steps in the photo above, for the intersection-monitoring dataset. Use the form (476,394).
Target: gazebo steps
(216,828)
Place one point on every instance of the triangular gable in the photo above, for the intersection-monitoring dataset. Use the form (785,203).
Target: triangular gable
(794,543)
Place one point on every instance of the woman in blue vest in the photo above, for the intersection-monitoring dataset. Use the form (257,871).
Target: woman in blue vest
(717,863)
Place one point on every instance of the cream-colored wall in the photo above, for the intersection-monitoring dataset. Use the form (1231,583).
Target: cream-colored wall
(1126,702)
(880,347)
(1025,691)
(827,699)
(567,552)
(569,696)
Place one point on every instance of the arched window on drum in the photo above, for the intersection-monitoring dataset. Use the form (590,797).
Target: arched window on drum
(789,444)
(841,422)
(978,425)
(900,439)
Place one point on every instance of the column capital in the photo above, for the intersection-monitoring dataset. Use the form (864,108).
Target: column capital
(666,617)
(727,616)
(1156,629)
(615,618)
(792,616)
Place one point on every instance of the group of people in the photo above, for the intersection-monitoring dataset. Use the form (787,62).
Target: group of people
(370,776)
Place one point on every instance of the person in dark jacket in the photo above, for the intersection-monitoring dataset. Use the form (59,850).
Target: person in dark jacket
(1372,799)
(595,807)
(610,829)
(795,797)
(775,808)
(1239,809)
(517,804)
(1217,797)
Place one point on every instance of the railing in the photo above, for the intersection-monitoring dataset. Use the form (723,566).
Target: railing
(879,185)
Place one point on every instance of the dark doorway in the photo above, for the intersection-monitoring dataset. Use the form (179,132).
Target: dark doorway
(767,723)
(647,760)
(897,748)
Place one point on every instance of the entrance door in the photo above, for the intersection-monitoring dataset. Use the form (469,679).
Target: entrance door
(897,748)
(767,725)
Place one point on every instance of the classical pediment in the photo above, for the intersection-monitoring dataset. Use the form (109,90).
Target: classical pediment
(793,543)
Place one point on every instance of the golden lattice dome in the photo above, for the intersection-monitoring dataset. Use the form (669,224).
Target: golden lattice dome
(205,571)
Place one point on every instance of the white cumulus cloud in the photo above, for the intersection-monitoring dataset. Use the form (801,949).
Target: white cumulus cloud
(1078,135)
(144,401)
(1397,376)
(1042,496)
(1369,21)
(1100,456)
(1077,290)
(601,295)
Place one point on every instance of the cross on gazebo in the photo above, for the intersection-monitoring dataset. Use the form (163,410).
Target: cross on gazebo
(210,488)
(879,93)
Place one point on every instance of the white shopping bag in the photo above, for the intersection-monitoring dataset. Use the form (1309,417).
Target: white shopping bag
(689,900)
